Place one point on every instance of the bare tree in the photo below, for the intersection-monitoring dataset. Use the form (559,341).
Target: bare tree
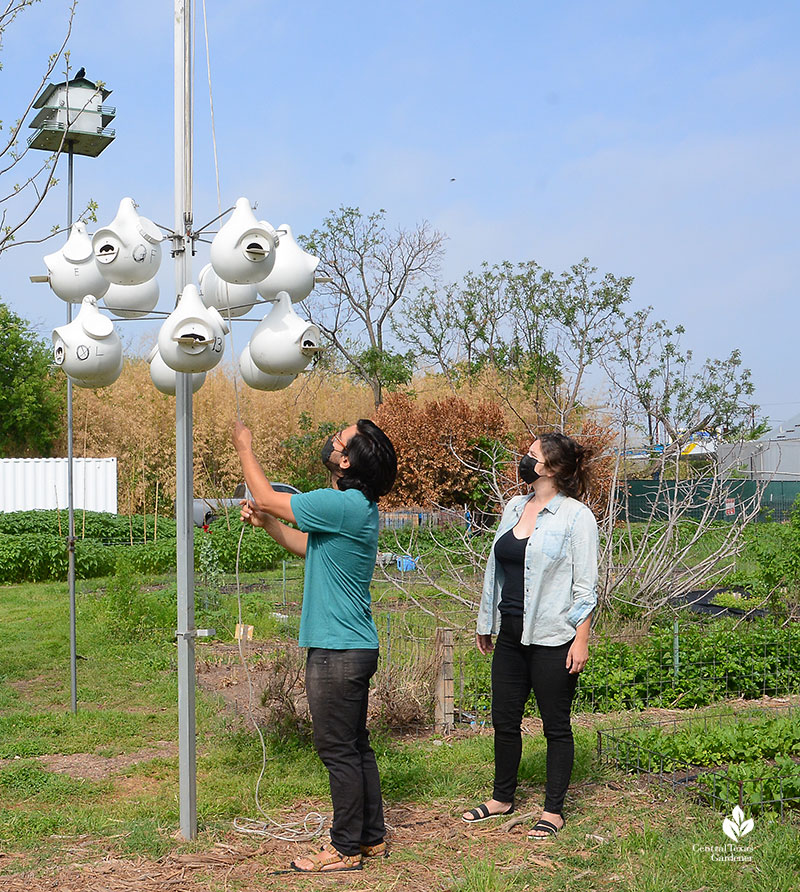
(373,272)
(24,179)
(681,540)
(584,312)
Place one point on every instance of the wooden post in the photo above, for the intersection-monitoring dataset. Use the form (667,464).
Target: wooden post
(444,681)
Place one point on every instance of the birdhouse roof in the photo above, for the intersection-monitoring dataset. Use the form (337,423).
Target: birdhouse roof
(43,98)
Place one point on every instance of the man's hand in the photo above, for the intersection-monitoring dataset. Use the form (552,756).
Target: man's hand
(242,437)
(251,515)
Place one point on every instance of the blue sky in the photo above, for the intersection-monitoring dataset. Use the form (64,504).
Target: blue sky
(661,140)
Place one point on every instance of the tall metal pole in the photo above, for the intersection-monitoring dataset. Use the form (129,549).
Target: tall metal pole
(73,646)
(182,248)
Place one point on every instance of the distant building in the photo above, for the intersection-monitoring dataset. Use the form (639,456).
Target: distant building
(775,456)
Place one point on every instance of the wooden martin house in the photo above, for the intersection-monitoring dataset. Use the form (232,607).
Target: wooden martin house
(73,116)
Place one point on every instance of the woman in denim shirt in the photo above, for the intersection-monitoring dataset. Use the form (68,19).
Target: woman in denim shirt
(539,593)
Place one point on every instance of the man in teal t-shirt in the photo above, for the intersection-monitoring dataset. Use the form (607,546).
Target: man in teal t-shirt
(338,535)
(342,545)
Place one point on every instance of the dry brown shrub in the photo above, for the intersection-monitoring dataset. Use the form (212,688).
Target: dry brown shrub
(599,434)
(524,410)
(433,439)
(283,694)
(135,423)
(402,697)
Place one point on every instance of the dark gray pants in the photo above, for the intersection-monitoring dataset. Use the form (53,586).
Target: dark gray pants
(337,685)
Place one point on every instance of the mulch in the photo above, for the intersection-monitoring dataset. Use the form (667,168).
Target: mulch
(428,846)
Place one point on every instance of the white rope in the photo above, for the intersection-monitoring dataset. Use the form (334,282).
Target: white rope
(298,831)
(211,105)
(312,825)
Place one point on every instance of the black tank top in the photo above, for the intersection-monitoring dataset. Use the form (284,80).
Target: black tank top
(510,554)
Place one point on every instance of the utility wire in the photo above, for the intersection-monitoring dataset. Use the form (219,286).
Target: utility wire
(219,207)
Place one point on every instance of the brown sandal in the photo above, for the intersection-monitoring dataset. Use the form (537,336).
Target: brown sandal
(328,860)
(379,850)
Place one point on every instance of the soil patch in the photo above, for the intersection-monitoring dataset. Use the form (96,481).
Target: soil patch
(90,766)
(273,674)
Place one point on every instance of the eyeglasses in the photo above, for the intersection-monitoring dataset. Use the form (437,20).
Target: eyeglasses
(342,445)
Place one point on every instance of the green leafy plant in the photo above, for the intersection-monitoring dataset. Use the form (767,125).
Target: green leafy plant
(302,451)
(131,612)
(633,675)
(736,600)
(757,759)
(110,529)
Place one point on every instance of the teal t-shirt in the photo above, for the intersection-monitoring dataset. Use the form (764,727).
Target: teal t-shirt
(342,532)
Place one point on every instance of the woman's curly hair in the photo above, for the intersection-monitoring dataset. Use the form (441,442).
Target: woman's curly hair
(569,461)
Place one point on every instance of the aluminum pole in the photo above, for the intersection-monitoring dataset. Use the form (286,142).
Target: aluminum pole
(73,646)
(184,459)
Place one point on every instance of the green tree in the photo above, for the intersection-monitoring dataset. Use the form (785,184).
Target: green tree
(668,393)
(537,329)
(301,454)
(31,392)
(373,272)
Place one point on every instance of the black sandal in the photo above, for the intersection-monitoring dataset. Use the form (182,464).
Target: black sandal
(547,827)
(482,813)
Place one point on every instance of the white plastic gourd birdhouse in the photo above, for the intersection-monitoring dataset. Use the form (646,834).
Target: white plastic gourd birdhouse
(293,271)
(258,380)
(132,301)
(192,338)
(165,379)
(229,299)
(128,250)
(72,271)
(243,251)
(283,343)
(88,349)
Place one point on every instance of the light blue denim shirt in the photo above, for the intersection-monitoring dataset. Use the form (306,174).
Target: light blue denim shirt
(560,572)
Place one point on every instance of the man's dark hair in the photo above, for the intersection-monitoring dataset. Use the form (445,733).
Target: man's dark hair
(373,462)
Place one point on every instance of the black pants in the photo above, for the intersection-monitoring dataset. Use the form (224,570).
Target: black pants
(516,670)
(337,685)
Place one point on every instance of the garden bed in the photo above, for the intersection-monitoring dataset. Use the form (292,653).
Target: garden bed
(747,758)
(702,601)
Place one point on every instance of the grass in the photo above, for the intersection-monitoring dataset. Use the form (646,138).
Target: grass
(621,833)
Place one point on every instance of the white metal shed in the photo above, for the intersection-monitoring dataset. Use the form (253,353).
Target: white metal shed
(41,483)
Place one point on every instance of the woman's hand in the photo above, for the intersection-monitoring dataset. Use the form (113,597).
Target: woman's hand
(484,644)
(577,657)
(242,437)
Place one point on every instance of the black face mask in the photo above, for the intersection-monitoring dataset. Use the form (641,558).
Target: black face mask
(527,469)
(326,453)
